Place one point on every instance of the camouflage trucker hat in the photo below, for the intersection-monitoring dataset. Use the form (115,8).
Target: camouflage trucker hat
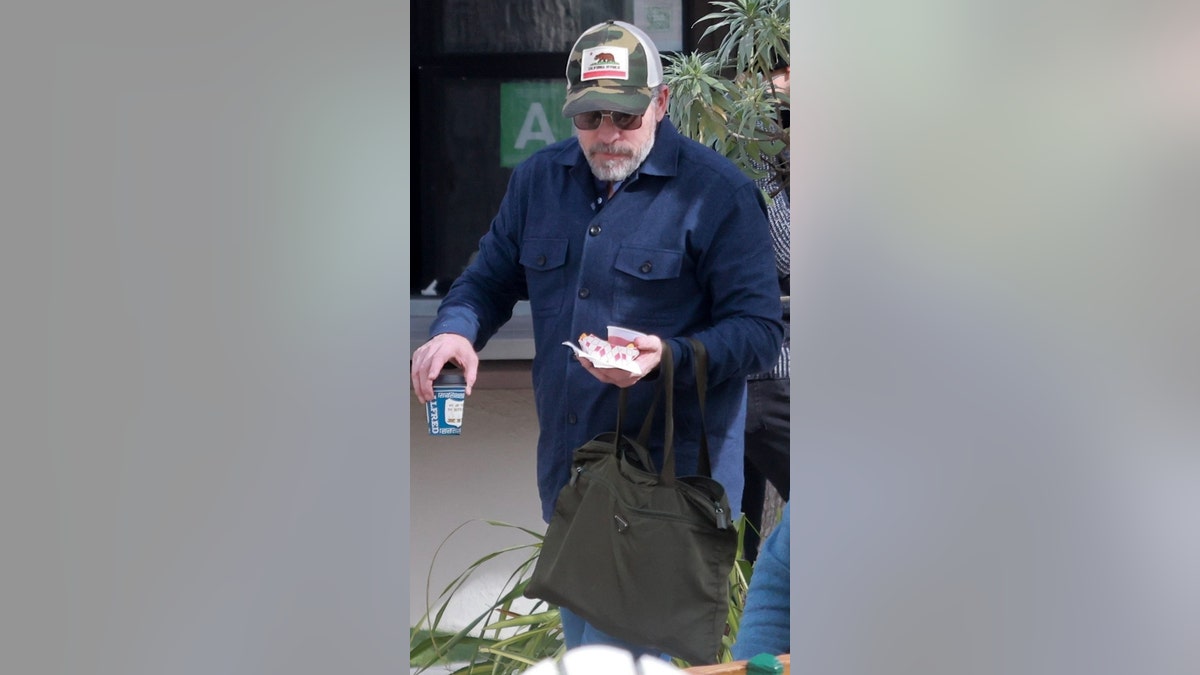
(613,65)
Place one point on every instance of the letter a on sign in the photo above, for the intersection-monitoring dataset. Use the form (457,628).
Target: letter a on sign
(530,118)
(535,128)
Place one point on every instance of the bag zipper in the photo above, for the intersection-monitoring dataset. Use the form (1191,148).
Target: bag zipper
(723,521)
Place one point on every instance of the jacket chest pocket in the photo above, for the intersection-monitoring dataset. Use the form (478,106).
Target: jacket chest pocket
(545,263)
(650,289)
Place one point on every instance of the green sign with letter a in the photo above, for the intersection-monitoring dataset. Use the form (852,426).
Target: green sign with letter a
(531,118)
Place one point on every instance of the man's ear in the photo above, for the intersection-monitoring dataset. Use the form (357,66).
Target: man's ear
(663,97)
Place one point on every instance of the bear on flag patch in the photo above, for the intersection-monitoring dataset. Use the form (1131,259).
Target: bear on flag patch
(607,62)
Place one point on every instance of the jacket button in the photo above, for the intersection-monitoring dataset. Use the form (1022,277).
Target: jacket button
(541,260)
(594,230)
(571,418)
(583,293)
(646,267)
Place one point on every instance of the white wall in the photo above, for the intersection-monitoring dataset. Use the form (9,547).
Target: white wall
(487,473)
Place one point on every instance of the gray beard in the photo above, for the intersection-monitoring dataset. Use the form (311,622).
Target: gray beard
(614,170)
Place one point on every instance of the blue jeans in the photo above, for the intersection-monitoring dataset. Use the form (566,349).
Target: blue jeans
(577,632)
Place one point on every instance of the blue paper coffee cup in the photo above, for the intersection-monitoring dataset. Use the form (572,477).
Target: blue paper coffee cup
(445,412)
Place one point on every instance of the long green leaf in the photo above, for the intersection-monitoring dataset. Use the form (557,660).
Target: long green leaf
(527,620)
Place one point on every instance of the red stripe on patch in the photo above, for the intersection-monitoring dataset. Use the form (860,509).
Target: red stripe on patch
(594,74)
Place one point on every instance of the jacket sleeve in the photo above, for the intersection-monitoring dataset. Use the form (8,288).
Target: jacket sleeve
(737,270)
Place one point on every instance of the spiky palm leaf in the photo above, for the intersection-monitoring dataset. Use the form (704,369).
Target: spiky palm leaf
(724,99)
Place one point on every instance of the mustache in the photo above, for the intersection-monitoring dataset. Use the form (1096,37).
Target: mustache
(610,149)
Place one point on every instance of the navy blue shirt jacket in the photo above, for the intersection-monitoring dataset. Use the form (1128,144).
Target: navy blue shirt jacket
(681,250)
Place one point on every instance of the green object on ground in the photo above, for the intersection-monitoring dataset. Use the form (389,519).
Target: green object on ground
(764,664)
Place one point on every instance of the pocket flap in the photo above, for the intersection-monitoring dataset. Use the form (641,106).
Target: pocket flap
(543,254)
(649,263)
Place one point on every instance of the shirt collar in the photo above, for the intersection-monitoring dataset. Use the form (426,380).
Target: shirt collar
(663,159)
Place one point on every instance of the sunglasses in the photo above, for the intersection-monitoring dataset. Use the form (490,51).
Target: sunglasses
(590,121)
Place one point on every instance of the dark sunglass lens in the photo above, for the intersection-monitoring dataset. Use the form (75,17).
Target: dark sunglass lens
(625,120)
(588,121)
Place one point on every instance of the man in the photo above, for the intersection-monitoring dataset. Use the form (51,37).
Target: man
(627,224)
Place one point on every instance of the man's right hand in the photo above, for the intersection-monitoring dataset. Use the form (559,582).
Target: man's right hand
(428,360)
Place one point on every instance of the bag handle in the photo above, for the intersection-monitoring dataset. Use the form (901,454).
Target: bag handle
(667,381)
(700,369)
(668,371)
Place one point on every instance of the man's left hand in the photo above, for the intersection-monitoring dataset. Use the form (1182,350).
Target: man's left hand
(649,356)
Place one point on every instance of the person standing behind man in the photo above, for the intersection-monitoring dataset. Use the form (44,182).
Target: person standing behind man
(767,617)
(628,223)
(768,393)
